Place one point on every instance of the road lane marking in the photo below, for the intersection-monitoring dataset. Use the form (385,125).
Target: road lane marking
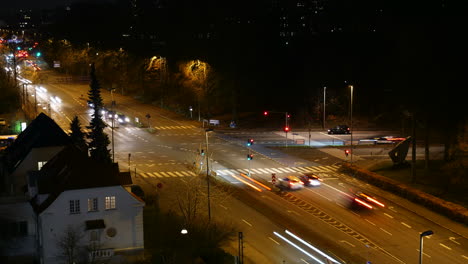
(224,207)
(447,247)
(405,224)
(274,240)
(392,209)
(294,212)
(346,242)
(424,254)
(453,240)
(305,261)
(386,231)
(370,222)
(247,222)
(388,215)
(464,256)
(319,194)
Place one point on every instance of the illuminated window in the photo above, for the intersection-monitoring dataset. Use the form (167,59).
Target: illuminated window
(74,206)
(110,202)
(40,164)
(92,204)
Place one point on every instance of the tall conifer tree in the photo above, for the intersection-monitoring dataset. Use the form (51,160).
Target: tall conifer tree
(77,136)
(98,139)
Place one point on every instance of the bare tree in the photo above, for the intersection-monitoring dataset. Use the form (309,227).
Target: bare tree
(69,245)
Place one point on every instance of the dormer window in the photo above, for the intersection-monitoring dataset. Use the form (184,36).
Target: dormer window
(40,164)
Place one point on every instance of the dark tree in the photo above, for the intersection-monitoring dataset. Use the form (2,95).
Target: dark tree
(77,136)
(98,139)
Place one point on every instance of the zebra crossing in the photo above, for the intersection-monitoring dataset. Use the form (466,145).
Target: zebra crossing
(230,172)
(86,130)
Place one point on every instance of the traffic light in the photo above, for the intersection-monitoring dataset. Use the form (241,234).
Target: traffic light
(38,54)
(346,152)
(202,152)
(286,129)
(250,142)
(265,113)
(249,157)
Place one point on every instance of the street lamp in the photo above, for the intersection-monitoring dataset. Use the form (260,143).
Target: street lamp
(208,174)
(351,110)
(423,234)
(191,110)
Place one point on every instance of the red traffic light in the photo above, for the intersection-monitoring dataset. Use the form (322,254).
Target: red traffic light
(265,113)
(286,129)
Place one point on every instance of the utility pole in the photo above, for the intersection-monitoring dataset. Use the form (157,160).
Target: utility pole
(208,175)
(351,111)
(413,149)
(241,248)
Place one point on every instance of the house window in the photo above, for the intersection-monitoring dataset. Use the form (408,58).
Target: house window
(14,229)
(92,204)
(40,164)
(110,202)
(74,206)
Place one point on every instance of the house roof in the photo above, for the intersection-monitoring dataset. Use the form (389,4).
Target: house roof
(71,169)
(41,132)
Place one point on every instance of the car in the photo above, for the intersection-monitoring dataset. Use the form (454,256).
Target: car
(340,129)
(291,182)
(122,119)
(366,201)
(311,180)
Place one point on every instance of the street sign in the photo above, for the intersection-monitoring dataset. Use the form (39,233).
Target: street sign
(273,178)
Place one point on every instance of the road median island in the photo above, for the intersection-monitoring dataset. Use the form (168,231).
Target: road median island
(453,211)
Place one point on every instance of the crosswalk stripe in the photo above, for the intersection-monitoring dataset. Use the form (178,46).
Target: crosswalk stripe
(289,169)
(163,174)
(192,173)
(142,174)
(299,169)
(270,170)
(185,173)
(241,170)
(157,174)
(263,171)
(256,171)
(178,174)
(281,169)
(326,169)
(311,169)
(171,174)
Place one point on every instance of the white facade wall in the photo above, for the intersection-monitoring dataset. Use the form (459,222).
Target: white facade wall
(126,218)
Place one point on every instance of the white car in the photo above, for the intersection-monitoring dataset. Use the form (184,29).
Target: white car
(291,182)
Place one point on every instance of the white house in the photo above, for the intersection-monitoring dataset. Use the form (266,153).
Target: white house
(80,197)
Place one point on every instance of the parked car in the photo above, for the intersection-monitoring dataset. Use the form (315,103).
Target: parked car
(341,129)
(291,182)
(311,180)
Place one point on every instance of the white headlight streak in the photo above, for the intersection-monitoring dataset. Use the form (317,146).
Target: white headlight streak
(310,246)
(300,249)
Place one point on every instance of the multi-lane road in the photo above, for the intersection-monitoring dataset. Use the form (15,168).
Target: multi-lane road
(272,222)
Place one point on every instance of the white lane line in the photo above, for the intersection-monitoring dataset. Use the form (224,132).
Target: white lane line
(387,215)
(386,231)
(392,209)
(346,242)
(424,254)
(247,222)
(447,247)
(453,240)
(319,194)
(370,222)
(405,224)
(274,240)
(303,260)
(464,256)
(224,207)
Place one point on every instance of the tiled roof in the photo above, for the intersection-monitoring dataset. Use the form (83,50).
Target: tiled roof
(71,169)
(42,132)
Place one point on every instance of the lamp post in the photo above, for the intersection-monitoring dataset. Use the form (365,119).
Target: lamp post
(351,111)
(421,236)
(191,110)
(208,174)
